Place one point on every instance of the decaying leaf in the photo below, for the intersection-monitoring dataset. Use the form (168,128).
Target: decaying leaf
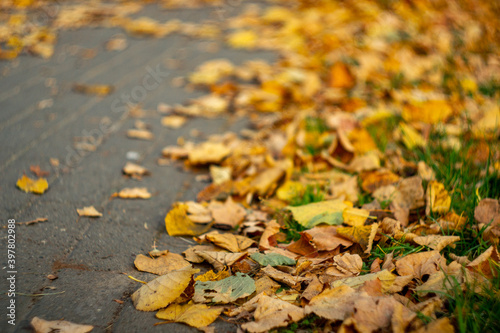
(271,313)
(231,242)
(272,259)
(61,326)
(220,259)
(227,215)
(196,315)
(290,280)
(364,235)
(89,211)
(161,265)
(133,193)
(178,223)
(420,264)
(325,238)
(328,212)
(333,304)
(224,291)
(27,184)
(355,217)
(436,242)
(163,290)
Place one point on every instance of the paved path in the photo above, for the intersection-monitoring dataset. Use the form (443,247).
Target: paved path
(89,255)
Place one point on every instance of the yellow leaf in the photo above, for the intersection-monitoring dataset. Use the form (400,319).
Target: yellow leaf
(246,39)
(88,211)
(329,212)
(161,265)
(290,190)
(163,290)
(133,193)
(178,223)
(362,235)
(429,112)
(196,315)
(94,89)
(233,243)
(355,217)
(341,77)
(208,153)
(30,185)
(211,276)
(438,199)
(410,137)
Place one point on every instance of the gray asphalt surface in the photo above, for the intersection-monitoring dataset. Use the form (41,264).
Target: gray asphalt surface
(88,255)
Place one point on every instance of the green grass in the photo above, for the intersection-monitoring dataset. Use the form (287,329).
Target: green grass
(310,323)
(312,193)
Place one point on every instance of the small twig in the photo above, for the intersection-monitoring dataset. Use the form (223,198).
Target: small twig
(186,240)
(133,278)
(36,295)
(40,219)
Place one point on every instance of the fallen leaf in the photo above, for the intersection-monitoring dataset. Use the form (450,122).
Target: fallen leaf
(441,325)
(173,121)
(227,215)
(325,238)
(38,171)
(93,89)
(289,280)
(266,285)
(224,291)
(219,259)
(420,264)
(487,210)
(386,278)
(60,326)
(192,256)
(161,265)
(220,175)
(27,184)
(88,211)
(178,223)
(272,259)
(310,215)
(271,313)
(233,243)
(355,217)
(341,77)
(302,246)
(133,193)
(134,170)
(196,315)
(208,153)
(163,290)
(374,179)
(212,276)
(333,304)
(438,199)
(483,264)
(246,39)
(436,242)
(272,228)
(140,134)
(345,265)
(364,235)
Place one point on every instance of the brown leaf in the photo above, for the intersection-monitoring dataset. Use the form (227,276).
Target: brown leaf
(436,242)
(333,304)
(420,264)
(140,134)
(134,170)
(271,313)
(374,179)
(325,238)
(161,265)
(483,263)
(192,256)
(292,281)
(302,246)
(345,265)
(93,89)
(60,326)
(233,243)
(487,210)
(221,259)
(272,228)
(228,215)
(38,171)
(266,285)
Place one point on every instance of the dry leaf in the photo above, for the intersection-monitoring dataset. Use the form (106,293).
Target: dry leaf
(420,264)
(487,210)
(328,212)
(133,193)
(233,243)
(60,326)
(173,121)
(38,171)
(436,242)
(375,179)
(88,211)
(212,276)
(387,279)
(333,304)
(272,228)
(362,235)
(220,175)
(140,134)
(266,285)
(227,215)
(292,281)
(161,265)
(196,315)
(438,199)
(27,184)
(271,313)
(93,89)
(192,256)
(134,170)
(208,153)
(355,217)
(163,290)
(219,259)
(325,238)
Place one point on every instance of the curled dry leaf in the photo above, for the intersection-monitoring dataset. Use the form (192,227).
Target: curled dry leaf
(272,228)
(219,259)
(89,211)
(224,291)
(163,290)
(271,313)
(196,315)
(27,184)
(192,256)
(61,326)
(133,193)
(161,265)
(345,265)
(289,280)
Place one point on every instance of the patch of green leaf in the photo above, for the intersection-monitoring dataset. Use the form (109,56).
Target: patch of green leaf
(315,124)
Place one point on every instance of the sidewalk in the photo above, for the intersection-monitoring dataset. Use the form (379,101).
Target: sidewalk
(89,255)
